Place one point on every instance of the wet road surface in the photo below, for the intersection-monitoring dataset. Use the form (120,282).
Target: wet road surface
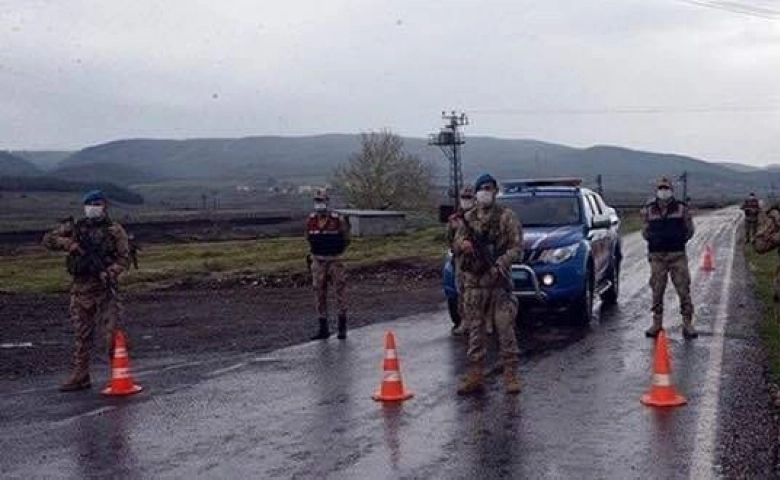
(306,411)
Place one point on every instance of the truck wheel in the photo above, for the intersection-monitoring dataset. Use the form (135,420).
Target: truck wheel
(581,310)
(610,296)
(452,307)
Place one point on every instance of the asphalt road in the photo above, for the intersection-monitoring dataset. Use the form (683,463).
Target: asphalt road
(307,412)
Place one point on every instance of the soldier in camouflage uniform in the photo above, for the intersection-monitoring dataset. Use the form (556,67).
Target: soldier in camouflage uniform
(489,241)
(667,226)
(752,209)
(454,222)
(767,239)
(98,253)
(328,235)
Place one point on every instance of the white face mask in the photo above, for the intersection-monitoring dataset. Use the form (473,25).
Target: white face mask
(484,198)
(320,207)
(466,204)
(663,194)
(93,211)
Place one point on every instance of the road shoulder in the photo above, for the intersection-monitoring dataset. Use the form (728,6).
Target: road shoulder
(747,441)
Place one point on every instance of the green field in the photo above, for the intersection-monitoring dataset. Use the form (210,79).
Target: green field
(763,268)
(33,270)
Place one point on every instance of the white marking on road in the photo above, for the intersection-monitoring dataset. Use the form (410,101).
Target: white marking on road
(145,373)
(91,413)
(16,345)
(703,457)
(227,369)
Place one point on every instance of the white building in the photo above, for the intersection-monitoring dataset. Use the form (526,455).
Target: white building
(365,223)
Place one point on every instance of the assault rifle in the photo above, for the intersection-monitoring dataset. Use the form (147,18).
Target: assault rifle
(93,258)
(483,255)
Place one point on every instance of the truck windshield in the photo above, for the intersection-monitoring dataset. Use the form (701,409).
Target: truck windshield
(543,211)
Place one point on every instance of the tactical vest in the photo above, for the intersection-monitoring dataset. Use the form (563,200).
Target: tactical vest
(485,240)
(98,245)
(327,240)
(666,231)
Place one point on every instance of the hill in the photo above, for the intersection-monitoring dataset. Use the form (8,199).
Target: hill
(312,159)
(12,165)
(118,174)
(49,184)
(740,167)
(43,159)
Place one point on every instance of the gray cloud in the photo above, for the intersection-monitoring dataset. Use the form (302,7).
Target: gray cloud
(82,72)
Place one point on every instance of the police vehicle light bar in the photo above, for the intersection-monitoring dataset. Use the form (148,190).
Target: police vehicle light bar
(541,182)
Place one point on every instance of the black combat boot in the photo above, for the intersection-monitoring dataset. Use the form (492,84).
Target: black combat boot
(324,332)
(342,326)
(79,380)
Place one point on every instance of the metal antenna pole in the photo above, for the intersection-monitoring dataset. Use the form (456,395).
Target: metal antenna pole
(449,140)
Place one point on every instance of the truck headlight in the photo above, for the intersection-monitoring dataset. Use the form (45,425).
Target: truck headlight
(559,255)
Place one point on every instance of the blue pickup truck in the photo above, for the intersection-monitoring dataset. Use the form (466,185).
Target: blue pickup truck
(571,247)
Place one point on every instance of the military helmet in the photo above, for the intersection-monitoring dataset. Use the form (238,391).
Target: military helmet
(483,179)
(320,195)
(664,182)
(94,196)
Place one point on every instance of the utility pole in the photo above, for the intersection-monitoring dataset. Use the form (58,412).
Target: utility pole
(449,139)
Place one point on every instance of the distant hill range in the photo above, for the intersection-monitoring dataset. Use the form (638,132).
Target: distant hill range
(12,165)
(311,159)
(43,159)
(20,175)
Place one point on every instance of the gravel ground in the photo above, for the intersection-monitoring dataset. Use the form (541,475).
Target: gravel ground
(241,315)
(748,434)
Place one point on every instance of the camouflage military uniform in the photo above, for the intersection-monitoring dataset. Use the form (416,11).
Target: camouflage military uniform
(752,209)
(487,284)
(93,297)
(454,223)
(767,239)
(328,236)
(667,227)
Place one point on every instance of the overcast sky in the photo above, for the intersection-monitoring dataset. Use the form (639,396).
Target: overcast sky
(660,75)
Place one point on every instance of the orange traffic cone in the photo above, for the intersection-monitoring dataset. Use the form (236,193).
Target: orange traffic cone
(392,387)
(707,262)
(121,381)
(662,392)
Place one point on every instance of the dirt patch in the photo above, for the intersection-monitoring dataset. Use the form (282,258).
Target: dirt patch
(250,314)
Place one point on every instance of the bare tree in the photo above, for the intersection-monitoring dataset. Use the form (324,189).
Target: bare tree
(383,176)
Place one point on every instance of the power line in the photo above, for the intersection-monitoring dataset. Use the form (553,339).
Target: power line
(634,110)
(737,7)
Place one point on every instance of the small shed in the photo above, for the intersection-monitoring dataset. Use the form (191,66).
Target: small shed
(364,223)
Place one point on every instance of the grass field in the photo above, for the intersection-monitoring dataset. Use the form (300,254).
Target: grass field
(763,267)
(33,270)
(36,271)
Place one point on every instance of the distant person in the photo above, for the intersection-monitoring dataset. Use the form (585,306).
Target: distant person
(98,254)
(752,208)
(328,235)
(134,249)
(766,240)
(465,203)
(489,240)
(667,227)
